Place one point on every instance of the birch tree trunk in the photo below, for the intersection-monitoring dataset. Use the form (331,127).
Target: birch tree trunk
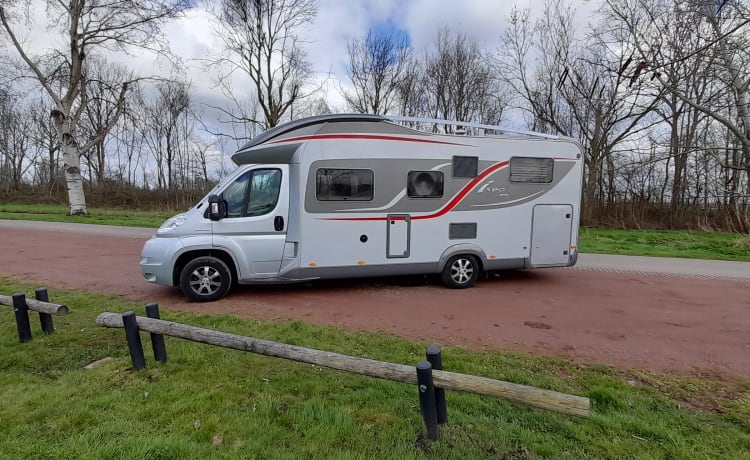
(71,164)
(81,28)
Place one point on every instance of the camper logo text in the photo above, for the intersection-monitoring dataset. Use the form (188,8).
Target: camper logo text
(489,188)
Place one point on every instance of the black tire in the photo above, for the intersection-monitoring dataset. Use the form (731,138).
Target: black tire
(461,271)
(205,279)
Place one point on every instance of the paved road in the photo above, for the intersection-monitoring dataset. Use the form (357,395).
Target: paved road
(87,229)
(710,269)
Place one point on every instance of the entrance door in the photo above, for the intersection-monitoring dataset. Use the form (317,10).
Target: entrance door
(256,223)
(399,232)
(550,234)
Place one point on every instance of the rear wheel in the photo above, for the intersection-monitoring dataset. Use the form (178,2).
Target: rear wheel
(205,279)
(461,271)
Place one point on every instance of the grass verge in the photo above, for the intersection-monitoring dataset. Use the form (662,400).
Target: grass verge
(666,243)
(209,402)
(102,216)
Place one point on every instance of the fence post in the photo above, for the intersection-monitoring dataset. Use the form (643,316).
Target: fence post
(434,357)
(134,340)
(157,340)
(44,318)
(427,398)
(22,317)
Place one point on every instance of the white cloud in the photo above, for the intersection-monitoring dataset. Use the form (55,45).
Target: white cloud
(192,38)
(480,19)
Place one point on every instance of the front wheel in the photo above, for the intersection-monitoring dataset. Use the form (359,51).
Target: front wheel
(205,279)
(461,272)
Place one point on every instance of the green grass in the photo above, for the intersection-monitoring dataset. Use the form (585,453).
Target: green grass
(103,216)
(262,407)
(666,243)
(698,245)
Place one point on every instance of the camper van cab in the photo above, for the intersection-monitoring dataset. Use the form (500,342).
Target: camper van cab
(342,196)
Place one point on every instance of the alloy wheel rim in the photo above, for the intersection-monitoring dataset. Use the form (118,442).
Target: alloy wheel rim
(462,271)
(205,280)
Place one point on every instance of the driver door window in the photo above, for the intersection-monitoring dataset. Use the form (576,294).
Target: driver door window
(236,195)
(264,192)
(255,193)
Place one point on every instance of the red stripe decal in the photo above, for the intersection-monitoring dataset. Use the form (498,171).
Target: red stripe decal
(447,208)
(363,136)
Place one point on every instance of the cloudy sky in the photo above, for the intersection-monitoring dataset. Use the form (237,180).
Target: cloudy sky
(192,38)
(338,21)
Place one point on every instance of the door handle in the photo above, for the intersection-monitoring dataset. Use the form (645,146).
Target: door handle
(278,223)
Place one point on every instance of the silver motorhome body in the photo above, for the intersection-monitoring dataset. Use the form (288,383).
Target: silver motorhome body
(358,195)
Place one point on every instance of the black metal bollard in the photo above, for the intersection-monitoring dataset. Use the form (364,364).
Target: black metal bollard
(22,317)
(157,340)
(134,340)
(434,357)
(44,318)
(427,398)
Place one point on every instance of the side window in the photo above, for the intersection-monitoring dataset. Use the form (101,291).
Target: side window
(531,170)
(424,184)
(343,184)
(264,192)
(236,195)
(253,194)
(465,166)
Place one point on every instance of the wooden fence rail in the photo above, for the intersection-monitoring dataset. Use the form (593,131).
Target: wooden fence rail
(21,306)
(38,306)
(545,399)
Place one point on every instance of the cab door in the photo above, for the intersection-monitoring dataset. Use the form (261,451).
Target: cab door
(254,230)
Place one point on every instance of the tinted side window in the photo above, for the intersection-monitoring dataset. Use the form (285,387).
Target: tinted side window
(264,192)
(424,184)
(343,184)
(465,166)
(236,195)
(254,193)
(531,170)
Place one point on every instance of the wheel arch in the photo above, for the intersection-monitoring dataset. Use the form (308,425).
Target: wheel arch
(186,257)
(462,249)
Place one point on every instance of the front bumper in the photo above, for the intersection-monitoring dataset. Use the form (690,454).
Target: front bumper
(157,259)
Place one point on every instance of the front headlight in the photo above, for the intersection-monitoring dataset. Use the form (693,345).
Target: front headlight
(171,224)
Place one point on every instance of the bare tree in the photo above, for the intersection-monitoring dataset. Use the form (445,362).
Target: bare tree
(411,93)
(46,139)
(162,118)
(130,146)
(86,28)
(240,114)
(261,42)
(313,106)
(376,66)
(461,81)
(718,49)
(15,142)
(576,90)
(686,123)
(103,83)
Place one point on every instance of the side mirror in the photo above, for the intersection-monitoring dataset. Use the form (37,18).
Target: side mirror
(217,207)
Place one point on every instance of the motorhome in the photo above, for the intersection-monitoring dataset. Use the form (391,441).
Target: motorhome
(343,196)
